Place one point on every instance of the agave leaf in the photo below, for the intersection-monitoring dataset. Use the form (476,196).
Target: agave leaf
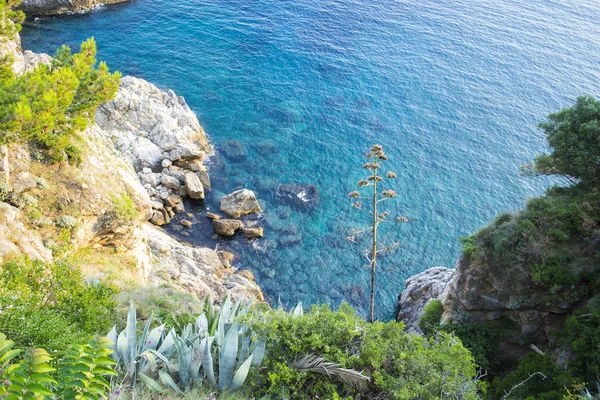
(150,383)
(144,337)
(168,343)
(298,311)
(247,307)
(259,353)
(166,379)
(159,355)
(196,363)
(184,360)
(202,324)
(245,344)
(122,350)
(279,305)
(112,336)
(235,308)
(227,356)
(241,374)
(223,317)
(154,337)
(207,360)
(187,332)
(131,337)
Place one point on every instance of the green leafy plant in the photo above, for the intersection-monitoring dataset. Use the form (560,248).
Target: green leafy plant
(83,370)
(10,19)
(429,322)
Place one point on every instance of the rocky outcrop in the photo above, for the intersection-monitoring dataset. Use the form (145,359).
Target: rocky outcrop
(507,297)
(23,61)
(201,271)
(239,203)
(420,290)
(17,239)
(163,140)
(56,7)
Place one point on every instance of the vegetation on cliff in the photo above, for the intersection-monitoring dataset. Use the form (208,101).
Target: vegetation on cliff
(50,105)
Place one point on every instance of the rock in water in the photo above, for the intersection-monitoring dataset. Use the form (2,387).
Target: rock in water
(212,215)
(205,179)
(240,202)
(227,227)
(186,223)
(302,197)
(193,186)
(55,7)
(233,150)
(420,290)
(251,233)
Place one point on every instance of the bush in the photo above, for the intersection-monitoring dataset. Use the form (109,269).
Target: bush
(123,208)
(402,365)
(480,338)
(50,306)
(48,106)
(429,322)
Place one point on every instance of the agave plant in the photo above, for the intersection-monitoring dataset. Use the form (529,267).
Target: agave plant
(134,356)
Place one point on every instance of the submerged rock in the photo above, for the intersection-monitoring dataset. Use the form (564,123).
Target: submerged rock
(241,202)
(251,233)
(233,150)
(302,197)
(227,227)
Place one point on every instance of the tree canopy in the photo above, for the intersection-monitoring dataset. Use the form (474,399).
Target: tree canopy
(574,135)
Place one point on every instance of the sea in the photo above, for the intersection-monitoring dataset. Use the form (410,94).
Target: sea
(295,92)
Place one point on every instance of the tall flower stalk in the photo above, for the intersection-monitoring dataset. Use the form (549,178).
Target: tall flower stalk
(378,194)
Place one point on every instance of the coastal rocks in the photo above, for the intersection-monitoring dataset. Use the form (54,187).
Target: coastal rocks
(227,227)
(193,186)
(56,7)
(200,271)
(162,138)
(302,197)
(241,202)
(420,290)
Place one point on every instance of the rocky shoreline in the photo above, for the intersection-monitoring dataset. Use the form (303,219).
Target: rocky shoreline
(144,134)
(58,7)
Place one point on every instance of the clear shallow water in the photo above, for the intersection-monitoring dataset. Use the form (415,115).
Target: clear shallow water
(452,89)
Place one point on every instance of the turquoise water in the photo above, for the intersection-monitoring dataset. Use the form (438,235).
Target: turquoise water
(452,89)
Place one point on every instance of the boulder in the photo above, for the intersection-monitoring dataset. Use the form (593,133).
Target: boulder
(419,290)
(302,197)
(251,233)
(193,186)
(172,200)
(241,202)
(227,227)
(204,178)
(158,218)
(23,182)
(169,182)
(186,223)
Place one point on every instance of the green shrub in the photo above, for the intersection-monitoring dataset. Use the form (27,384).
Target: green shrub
(10,19)
(469,247)
(401,365)
(480,338)
(48,106)
(429,322)
(123,208)
(50,305)
(552,274)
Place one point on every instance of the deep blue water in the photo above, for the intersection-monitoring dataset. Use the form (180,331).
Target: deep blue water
(453,90)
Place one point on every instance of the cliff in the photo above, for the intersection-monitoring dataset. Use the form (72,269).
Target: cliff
(49,210)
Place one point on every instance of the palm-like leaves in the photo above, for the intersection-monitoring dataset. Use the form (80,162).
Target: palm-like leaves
(313,363)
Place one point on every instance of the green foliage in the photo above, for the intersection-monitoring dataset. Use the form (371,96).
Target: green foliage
(49,105)
(10,19)
(480,338)
(574,135)
(182,361)
(82,372)
(401,365)
(50,305)
(469,247)
(123,208)
(542,379)
(429,322)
